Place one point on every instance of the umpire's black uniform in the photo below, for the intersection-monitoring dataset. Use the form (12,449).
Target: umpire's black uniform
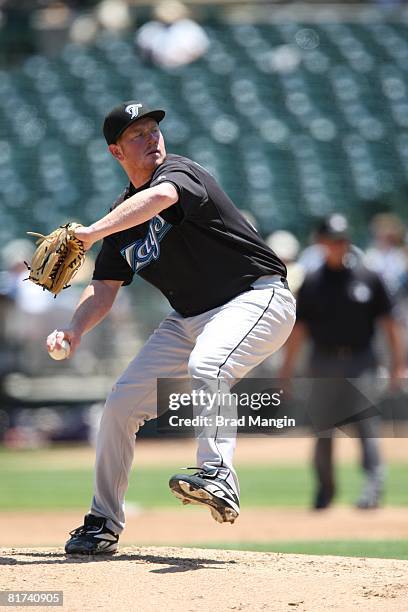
(339,308)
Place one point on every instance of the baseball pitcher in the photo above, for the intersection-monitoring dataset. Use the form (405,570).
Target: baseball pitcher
(232,308)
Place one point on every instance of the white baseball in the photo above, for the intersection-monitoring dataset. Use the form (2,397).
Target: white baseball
(61,353)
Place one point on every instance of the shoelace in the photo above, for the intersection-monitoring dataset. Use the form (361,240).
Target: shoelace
(78,531)
(200,472)
(82,530)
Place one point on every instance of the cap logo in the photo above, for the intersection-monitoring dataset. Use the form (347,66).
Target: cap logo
(338,223)
(133,110)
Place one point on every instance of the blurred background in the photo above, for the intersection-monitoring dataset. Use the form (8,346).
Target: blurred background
(299,109)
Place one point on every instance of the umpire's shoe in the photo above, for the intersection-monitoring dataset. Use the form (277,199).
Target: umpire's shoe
(324,497)
(371,494)
(92,538)
(206,489)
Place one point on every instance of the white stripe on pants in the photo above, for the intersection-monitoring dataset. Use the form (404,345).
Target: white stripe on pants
(224,343)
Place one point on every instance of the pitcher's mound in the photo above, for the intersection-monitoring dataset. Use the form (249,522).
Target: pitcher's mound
(191,579)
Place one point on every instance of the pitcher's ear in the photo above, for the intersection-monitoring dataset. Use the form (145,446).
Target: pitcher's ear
(116,151)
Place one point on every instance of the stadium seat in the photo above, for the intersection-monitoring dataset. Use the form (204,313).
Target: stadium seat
(295,119)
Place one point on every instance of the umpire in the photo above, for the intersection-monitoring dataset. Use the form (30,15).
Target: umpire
(338,307)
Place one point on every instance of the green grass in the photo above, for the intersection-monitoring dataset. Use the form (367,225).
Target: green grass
(382,549)
(25,487)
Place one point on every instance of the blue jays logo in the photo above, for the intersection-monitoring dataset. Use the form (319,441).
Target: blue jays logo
(142,252)
(133,110)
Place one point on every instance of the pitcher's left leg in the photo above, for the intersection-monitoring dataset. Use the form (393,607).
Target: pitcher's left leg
(231,341)
(239,337)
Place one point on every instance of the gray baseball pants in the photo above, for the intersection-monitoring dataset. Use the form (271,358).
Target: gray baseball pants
(224,343)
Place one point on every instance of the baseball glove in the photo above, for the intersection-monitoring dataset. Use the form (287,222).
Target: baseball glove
(57,258)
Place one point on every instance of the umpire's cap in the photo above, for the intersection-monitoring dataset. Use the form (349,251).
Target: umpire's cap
(124,115)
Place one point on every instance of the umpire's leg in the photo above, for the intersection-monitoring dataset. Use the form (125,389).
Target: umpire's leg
(372,490)
(323,464)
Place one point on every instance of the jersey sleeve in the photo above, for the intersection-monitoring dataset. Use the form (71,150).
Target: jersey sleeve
(191,191)
(110,265)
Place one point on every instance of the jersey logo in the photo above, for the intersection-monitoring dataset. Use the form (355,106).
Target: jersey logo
(140,253)
(133,110)
(360,292)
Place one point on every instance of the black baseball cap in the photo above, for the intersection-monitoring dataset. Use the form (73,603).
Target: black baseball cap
(124,115)
(334,227)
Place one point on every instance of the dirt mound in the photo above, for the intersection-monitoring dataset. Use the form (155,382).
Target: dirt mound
(193,526)
(175,579)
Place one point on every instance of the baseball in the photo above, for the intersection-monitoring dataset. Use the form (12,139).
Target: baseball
(61,353)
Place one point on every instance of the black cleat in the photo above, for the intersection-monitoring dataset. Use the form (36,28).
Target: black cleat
(323,499)
(92,538)
(206,489)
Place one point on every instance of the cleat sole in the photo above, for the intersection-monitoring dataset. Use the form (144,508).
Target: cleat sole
(192,495)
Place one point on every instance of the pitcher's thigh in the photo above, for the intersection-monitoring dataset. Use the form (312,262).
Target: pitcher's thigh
(165,355)
(242,335)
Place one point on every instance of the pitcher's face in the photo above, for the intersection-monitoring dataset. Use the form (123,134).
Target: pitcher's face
(141,147)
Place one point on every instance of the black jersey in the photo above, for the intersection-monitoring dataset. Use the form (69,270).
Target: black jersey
(200,252)
(340,307)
